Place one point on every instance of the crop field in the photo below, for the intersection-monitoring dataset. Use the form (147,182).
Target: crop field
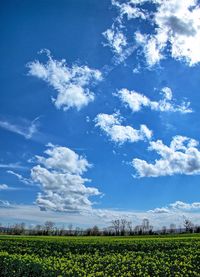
(100,256)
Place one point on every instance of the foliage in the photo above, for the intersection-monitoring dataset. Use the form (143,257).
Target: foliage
(100,256)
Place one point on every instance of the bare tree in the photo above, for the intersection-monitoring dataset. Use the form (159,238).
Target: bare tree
(129,227)
(188,225)
(116,226)
(123,226)
(18,228)
(48,227)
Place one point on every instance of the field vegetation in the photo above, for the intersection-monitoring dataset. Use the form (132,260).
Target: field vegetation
(170,255)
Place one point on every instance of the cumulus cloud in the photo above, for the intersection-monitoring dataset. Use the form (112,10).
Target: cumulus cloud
(176,27)
(72,83)
(180,157)
(59,174)
(135,101)
(111,125)
(26,128)
(177,207)
(63,159)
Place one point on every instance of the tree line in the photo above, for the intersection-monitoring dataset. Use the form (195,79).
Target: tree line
(118,227)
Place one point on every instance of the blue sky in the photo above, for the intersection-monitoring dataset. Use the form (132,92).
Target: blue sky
(100,111)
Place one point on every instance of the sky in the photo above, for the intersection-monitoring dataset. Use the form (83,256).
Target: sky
(99,111)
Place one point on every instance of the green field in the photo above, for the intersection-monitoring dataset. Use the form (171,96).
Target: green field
(100,256)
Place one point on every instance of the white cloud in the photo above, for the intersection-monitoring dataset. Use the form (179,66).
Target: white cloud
(116,40)
(159,211)
(101,217)
(63,159)
(116,37)
(178,207)
(181,157)
(129,9)
(31,214)
(152,49)
(59,174)
(135,101)
(12,166)
(26,129)
(176,27)
(71,83)
(111,125)
(8,188)
(3,187)
(4,204)
(87,119)
(22,179)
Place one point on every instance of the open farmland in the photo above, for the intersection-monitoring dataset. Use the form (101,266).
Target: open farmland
(100,256)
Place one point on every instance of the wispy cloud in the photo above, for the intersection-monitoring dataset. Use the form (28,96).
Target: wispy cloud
(22,179)
(13,166)
(7,188)
(111,125)
(72,83)
(26,128)
(129,10)
(116,40)
(115,36)
(3,187)
(4,204)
